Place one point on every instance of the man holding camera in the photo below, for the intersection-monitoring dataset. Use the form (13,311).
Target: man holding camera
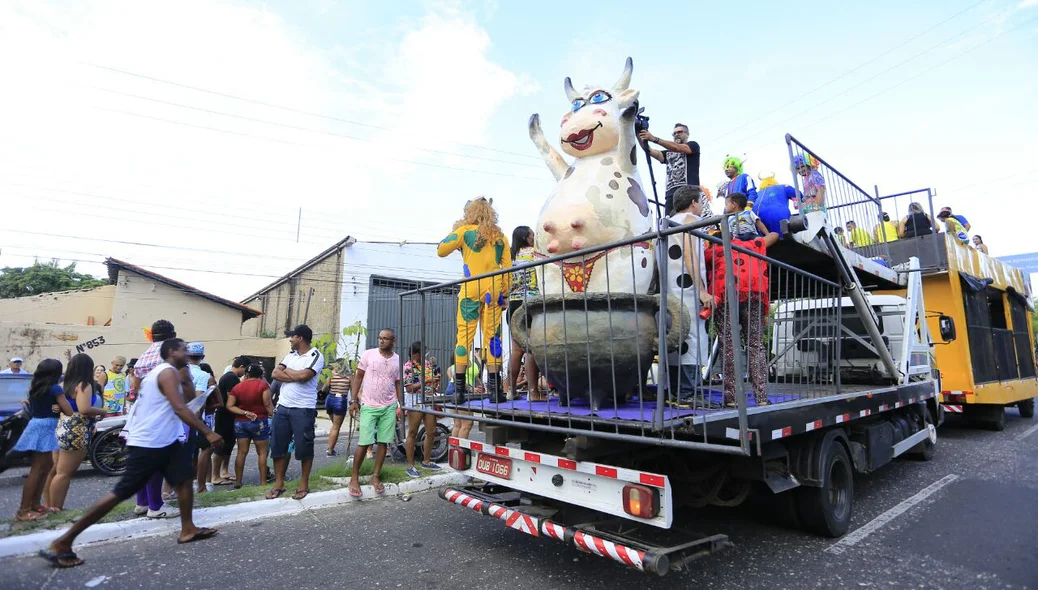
(681,157)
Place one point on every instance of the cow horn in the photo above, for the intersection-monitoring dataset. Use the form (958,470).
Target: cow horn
(571,94)
(625,78)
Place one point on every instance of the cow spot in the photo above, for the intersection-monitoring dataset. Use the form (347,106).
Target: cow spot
(638,197)
(685,281)
(568,173)
(614,185)
(609,195)
(607,161)
(592,193)
(634,156)
(645,262)
(674,252)
(617,174)
(684,348)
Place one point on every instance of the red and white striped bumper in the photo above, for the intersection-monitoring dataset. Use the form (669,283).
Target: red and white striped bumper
(644,561)
(952,409)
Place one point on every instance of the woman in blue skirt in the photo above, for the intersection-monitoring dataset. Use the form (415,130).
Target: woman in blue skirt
(45,397)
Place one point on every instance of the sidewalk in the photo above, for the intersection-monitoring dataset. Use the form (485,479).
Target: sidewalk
(143,527)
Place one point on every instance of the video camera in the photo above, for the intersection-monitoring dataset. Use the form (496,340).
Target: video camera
(641,122)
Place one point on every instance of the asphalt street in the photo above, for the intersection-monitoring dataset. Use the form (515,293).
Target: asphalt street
(979,529)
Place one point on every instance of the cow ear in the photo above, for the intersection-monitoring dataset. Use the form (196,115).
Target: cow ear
(627,98)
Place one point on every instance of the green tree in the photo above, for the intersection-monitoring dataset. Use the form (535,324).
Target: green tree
(44,277)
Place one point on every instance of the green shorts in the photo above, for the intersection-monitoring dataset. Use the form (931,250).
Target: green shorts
(377,425)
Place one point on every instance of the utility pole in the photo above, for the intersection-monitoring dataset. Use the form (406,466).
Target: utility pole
(299,223)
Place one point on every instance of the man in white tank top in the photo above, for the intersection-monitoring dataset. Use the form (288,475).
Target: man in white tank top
(152,445)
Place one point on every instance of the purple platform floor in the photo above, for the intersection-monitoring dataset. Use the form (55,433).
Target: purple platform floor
(630,411)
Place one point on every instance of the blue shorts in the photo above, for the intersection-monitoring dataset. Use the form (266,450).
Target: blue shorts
(258,429)
(293,425)
(334,404)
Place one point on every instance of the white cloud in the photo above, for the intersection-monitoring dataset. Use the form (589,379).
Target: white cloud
(437,83)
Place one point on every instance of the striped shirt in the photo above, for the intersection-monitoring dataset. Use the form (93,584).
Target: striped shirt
(339,386)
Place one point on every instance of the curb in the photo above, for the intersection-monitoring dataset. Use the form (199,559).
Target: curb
(245,511)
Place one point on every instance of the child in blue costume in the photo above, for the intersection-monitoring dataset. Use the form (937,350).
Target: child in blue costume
(772,205)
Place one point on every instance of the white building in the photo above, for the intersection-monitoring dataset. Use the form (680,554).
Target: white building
(355,281)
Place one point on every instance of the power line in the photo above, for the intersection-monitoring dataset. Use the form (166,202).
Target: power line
(304,145)
(873,77)
(848,72)
(307,129)
(286,108)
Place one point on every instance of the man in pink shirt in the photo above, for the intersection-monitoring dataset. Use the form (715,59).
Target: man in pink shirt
(377,395)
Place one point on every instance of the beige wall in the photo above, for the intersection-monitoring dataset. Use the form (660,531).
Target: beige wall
(286,305)
(139,301)
(70,307)
(54,325)
(35,342)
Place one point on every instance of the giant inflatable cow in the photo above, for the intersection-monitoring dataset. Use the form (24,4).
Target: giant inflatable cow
(598,198)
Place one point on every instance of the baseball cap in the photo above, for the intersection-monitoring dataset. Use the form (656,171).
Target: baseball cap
(946,212)
(17,359)
(196,349)
(303,331)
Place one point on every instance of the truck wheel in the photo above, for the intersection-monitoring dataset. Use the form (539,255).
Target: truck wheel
(1026,408)
(827,510)
(925,450)
(997,421)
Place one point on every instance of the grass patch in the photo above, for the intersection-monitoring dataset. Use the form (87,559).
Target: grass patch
(122,511)
(391,472)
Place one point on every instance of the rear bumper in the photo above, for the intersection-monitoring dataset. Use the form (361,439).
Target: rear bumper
(625,551)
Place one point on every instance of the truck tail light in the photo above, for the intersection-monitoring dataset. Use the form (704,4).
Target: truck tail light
(641,501)
(459,459)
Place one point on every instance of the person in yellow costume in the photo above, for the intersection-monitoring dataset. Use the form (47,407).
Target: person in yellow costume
(484,248)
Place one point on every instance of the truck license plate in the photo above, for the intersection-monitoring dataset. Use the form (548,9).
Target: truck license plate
(494,465)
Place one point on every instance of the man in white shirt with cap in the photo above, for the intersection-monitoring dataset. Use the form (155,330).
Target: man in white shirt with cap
(14,367)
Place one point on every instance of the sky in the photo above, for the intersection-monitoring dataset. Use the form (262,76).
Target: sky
(222,143)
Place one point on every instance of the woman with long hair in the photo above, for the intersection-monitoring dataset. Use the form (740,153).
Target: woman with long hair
(524,286)
(101,376)
(916,223)
(38,437)
(250,403)
(75,428)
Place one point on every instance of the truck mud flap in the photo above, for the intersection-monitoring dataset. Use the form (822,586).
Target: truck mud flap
(586,538)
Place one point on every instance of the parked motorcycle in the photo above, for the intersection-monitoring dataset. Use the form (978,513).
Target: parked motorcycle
(107,449)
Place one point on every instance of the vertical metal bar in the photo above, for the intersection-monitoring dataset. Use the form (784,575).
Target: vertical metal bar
(663,381)
(299,224)
(732,309)
(937,240)
(421,337)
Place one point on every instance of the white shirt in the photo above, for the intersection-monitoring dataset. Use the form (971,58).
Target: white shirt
(154,425)
(301,394)
(8,371)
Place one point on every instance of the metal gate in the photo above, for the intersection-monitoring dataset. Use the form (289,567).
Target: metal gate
(384,311)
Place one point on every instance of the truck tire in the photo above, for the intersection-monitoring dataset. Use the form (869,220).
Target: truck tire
(925,450)
(1026,408)
(997,422)
(826,510)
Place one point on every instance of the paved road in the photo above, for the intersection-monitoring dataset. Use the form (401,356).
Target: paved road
(978,531)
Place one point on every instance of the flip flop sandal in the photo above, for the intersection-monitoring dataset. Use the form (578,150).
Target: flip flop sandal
(300,494)
(44,509)
(380,488)
(56,558)
(223,482)
(29,516)
(203,533)
(275,493)
(356,493)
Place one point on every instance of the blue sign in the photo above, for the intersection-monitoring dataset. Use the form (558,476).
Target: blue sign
(1027,263)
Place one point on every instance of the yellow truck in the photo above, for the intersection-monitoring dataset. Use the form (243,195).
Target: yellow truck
(982,309)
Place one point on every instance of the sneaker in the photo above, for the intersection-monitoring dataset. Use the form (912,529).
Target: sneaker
(331,453)
(413,472)
(209,486)
(166,511)
(140,510)
(432,466)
